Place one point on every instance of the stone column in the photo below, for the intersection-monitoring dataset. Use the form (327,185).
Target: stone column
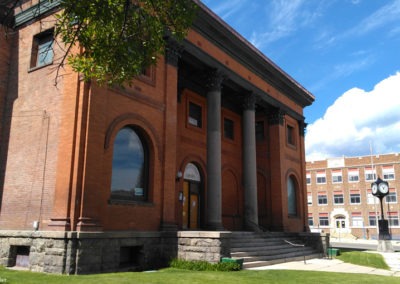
(250,163)
(214,181)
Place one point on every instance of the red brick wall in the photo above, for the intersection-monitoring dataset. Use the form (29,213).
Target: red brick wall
(61,145)
(34,110)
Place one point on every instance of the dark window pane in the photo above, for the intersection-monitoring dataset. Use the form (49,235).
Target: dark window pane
(229,129)
(260,130)
(129,167)
(195,115)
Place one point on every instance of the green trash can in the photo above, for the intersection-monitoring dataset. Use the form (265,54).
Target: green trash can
(235,260)
(333,252)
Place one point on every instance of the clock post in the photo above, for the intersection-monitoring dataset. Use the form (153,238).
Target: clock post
(380,189)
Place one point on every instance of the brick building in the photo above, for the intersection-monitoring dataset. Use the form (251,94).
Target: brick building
(340,200)
(96,179)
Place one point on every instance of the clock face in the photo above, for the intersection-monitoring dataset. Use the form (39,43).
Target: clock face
(383,188)
(374,188)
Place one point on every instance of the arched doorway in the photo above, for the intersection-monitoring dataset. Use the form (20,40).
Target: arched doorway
(191,197)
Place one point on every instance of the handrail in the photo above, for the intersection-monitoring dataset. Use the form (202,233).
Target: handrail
(298,245)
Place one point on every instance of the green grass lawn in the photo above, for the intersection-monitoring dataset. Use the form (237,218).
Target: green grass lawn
(375,260)
(192,277)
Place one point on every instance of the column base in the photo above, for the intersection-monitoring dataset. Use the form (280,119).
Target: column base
(215,226)
(385,246)
(88,224)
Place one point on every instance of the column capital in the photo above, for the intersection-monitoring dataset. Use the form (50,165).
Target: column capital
(249,101)
(302,127)
(173,51)
(276,116)
(214,79)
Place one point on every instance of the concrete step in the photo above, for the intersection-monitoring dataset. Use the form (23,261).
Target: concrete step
(260,263)
(260,249)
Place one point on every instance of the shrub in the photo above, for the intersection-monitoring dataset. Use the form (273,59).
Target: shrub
(204,265)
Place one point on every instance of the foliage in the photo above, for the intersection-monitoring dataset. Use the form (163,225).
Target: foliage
(119,38)
(363,258)
(175,276)
(204,265)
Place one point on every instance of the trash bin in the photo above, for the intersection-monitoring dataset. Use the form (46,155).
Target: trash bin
(234,260)
(333,252)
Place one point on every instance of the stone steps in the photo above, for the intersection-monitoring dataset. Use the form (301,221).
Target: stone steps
(262,249)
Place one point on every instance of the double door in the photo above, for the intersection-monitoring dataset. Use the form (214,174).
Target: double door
(191,205)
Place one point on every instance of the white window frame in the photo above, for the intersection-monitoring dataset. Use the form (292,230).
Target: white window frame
(309,199)
(353,173)
(388,173)
(372,217)
(393,218)
(371,199)
(321,175)
(308,178)
(326,197)
(335,175)
(359,194)
(357,221)
(369,172)
(334,196)
(325,219)
(391,194)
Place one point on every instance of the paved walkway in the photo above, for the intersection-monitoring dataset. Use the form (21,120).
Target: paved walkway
(336,265)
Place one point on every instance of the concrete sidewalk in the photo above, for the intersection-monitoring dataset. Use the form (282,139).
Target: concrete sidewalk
(336,265)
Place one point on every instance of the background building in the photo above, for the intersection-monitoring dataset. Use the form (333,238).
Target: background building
(340,199)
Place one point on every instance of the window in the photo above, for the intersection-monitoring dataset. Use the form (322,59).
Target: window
(392,196)
(308,178)
(310,220)
(353,175)
(337,176)
(371,199)
(338,197)
(370,174)
(129,167)
(42,49)
(322,199)
(195,115)
(229,129)
(292,199)
(323,220)
(372,219)
(309,198)
(290,135)
(388,172)
(393,218)
(356,219)
(260,130)
(321,177)
(355,197)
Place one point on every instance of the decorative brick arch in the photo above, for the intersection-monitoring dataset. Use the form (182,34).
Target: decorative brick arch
(136,120)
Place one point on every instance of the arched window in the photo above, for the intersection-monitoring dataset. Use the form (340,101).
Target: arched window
(292,199)
(129,166)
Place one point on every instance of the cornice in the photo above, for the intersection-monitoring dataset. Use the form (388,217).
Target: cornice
(227,39)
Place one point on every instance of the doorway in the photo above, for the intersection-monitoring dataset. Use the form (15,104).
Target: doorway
(191,197)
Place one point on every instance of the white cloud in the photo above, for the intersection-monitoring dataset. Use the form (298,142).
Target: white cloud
(356,119)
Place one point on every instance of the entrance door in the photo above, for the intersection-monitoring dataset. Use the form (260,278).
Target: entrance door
(191,198)
(340,222)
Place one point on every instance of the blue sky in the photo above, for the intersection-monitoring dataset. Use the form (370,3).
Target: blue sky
(345,52)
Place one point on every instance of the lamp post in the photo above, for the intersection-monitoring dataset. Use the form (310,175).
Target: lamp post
(380,189)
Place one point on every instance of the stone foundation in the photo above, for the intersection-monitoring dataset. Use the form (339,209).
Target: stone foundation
(203,245)
(83,253)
